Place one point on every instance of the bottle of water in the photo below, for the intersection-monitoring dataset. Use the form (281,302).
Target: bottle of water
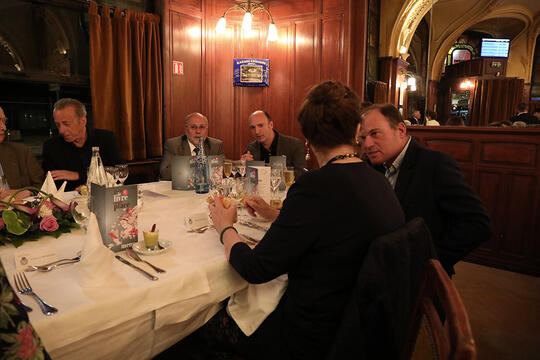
(201,172)
(96,172)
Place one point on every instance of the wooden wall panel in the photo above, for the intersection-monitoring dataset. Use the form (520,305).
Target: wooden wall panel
(460,150)
(286,9)
(186,90)
(505,172)
(187,4)
(333,5)
(332,49)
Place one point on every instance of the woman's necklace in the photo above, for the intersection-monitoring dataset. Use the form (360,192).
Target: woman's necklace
(341,157)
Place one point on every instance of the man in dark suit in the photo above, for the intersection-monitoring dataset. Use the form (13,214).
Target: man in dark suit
(268,142)
(523,115)
(428,184)
(68,155)
(18,165)
(196,126)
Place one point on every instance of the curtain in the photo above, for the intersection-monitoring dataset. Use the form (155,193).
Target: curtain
(126,79)
(495,100)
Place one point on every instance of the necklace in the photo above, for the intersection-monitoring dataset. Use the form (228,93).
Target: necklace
(340,157)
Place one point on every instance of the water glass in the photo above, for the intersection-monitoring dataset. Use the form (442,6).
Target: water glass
(275,179)
(80,211)
(216,173)
(123,172)
(112,175)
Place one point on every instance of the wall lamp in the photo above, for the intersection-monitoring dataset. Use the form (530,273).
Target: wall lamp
(249,8)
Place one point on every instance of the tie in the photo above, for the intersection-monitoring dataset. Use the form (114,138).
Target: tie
(196,151)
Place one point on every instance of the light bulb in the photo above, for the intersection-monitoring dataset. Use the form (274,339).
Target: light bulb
(403,50)
(246,23)
(221,24)
(272,32)
(411,81)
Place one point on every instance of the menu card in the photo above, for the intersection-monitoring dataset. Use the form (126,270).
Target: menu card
(116,212)
(258,182)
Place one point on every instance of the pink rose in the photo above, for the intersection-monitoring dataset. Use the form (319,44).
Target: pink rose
(48,223)
(2,224)
(25,337)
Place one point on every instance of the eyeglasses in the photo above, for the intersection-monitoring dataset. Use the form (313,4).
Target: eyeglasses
(200,127)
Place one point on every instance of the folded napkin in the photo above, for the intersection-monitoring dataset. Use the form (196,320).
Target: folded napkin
(249,307)
(50,187)
(97,260)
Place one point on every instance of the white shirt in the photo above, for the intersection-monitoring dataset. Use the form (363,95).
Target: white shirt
(392,171)
(192,148)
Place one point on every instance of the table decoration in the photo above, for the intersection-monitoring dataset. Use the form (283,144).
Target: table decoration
(29,219)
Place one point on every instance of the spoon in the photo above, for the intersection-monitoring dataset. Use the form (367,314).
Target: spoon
(45,268)
(76,258)
(132,254)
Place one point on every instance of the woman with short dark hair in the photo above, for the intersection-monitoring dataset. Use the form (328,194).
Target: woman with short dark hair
(321,235)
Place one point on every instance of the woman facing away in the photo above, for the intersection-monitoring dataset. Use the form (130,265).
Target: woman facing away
(321,235)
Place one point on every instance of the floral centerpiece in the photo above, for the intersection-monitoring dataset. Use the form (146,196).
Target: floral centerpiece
(28,220)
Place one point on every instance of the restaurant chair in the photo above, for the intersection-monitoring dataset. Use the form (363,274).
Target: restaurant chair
(429,338)
(377,317)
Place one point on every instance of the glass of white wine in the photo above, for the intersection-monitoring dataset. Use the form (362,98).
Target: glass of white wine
(275,179)
(288,175)
(227,168)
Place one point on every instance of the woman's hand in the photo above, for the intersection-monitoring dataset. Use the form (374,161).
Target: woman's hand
(221,216)
(256,205)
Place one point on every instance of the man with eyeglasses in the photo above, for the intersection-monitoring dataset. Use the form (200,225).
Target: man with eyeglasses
(18,166)
(195,126)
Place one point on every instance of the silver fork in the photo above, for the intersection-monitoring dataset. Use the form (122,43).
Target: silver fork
(24,288)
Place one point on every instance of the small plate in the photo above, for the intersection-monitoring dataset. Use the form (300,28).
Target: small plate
(140,248)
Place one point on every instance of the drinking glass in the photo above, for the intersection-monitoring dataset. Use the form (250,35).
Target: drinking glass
(216,173)
(226,187)
(242,168)
(123,173)
(288,175)
(80,211)
(275,179)
(227,168)
(112,175)
(3,183)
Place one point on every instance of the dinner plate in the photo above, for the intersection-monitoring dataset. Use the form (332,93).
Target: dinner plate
(140,248)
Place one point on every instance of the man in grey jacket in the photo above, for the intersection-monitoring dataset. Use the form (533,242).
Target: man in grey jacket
(268,142)
(196,126)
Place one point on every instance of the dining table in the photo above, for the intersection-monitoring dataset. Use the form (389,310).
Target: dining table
(130,316)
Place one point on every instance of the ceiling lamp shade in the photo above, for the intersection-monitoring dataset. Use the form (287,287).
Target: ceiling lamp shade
(249,8)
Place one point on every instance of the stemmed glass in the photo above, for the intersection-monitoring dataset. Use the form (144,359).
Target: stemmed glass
(275,179)
(227,168)
(123,173)
(80,211)
(242,168)
(112,175)
(288,175)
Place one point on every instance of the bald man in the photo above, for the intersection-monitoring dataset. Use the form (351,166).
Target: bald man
(195,127)
(268,142)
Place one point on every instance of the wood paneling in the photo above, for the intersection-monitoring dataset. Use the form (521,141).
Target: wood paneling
(314,42)
(502,166)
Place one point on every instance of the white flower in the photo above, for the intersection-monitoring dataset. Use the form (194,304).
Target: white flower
(44,210)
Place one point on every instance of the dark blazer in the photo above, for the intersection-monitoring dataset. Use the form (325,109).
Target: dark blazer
(20,165)
(179,146)
(430,185)
(526,118)
(376,321)
(289,146)
(61,155)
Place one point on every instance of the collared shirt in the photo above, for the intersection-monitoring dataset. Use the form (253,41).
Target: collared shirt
(192,148)
(392,171)
(265,154)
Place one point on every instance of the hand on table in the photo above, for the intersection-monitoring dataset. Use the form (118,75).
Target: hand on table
(64,175)
(256,205)
(7,193)
(246,157)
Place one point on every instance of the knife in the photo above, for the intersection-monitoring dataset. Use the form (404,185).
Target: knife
(253,226)
(148,275)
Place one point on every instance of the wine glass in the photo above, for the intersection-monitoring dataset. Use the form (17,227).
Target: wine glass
(112,175)
(288,175)
(123,173)
(227,168)
(80,211)
(3,183)
(242,168)
(275,179)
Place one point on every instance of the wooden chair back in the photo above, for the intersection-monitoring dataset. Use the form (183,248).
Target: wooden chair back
(431,338)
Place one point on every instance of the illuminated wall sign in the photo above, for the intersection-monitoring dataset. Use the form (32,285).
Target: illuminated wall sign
(251,72)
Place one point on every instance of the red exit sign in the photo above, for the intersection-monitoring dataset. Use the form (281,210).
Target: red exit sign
(178,68)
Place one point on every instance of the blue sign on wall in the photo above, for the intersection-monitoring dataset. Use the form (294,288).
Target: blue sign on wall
(251,72)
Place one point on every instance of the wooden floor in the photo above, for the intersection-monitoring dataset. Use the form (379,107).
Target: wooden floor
(504,310)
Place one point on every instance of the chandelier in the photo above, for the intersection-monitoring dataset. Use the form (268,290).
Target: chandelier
(249,8)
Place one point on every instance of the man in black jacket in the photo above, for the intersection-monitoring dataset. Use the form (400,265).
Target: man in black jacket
(523,115)
(68,155)
(428,184)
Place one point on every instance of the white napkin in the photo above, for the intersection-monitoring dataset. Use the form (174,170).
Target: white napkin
(249,307)
(96,263)
(50,187)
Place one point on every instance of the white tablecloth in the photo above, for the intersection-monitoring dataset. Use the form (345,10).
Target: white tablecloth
(133,317)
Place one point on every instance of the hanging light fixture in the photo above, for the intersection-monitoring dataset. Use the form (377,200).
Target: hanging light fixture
(249,8)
